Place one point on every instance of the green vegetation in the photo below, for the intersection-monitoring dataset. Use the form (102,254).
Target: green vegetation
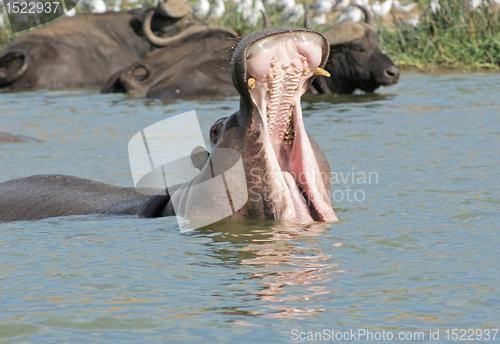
(6,36)
(453,37)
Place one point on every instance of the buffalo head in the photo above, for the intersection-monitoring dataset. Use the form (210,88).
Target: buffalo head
(356,61)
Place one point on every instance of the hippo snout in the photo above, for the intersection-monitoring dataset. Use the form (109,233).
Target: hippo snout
(392,74)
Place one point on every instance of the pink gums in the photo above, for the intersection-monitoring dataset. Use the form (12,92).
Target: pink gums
(282,66)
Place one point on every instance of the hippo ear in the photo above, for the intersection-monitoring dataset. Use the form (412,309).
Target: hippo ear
(199,157)
(174,8)
(344,33)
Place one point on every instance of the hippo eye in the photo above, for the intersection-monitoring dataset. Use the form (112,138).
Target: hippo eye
(214,133)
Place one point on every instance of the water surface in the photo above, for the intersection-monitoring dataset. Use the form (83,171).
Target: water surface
(416,249)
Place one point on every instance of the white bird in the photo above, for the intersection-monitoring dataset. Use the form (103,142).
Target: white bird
(352,13)
(474,4)
(404,6)
(342,4)
(413,20)
(293,14)
(244,8)
(435,6)
(364,3)
(258,7)
(71,12)
(382,9)
(118,6)
(217,10)
(200,10)
(322,6)
(284,4)
(97,6)
(319,20)
(256,13)
(271,3)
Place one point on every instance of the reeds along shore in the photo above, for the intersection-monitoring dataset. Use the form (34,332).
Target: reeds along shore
(451,34)
(453,37)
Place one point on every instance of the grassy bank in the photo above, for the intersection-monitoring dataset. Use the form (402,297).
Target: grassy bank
(6,36)
(454,37)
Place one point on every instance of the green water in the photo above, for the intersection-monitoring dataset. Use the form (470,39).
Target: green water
(419,252)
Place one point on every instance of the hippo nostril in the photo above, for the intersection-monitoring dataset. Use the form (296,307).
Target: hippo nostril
(393,72)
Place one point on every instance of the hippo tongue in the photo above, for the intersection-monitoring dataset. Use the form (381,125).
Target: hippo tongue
(279,69)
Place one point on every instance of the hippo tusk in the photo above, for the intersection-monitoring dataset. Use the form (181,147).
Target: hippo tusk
(164,41)
(251,83)
(321,71)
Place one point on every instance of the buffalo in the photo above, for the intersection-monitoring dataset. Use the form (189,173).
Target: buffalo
(200,67)
(83,51)
(356,61)
(196,66)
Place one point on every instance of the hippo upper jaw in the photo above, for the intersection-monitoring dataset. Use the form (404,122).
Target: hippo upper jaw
(278,70)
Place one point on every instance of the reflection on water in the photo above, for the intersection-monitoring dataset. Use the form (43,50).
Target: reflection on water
(280,255)
(419,251)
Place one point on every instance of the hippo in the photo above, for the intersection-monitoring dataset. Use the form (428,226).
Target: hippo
(6,137)
(271,69)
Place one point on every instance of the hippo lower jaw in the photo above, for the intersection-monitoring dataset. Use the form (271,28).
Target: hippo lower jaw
(279,70)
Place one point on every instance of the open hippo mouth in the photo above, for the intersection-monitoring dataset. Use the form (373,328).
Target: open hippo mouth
(277,70)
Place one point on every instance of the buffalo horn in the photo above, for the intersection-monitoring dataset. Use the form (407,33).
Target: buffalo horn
(307,20)
(368,16)
(344,33)
(8,76)
(267,23)
(164,41)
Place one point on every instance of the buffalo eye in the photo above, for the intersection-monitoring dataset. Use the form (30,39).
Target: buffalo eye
(357,48)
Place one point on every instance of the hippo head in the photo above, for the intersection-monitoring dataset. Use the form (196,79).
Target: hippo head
(287,175)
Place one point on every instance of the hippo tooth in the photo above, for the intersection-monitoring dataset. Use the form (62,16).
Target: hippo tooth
(273,64)
(307,70)
(251,83)
(321,71)
(303,58)
(271,76)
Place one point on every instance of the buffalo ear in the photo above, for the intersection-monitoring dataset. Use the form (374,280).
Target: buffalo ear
(344,33)
(174,8)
